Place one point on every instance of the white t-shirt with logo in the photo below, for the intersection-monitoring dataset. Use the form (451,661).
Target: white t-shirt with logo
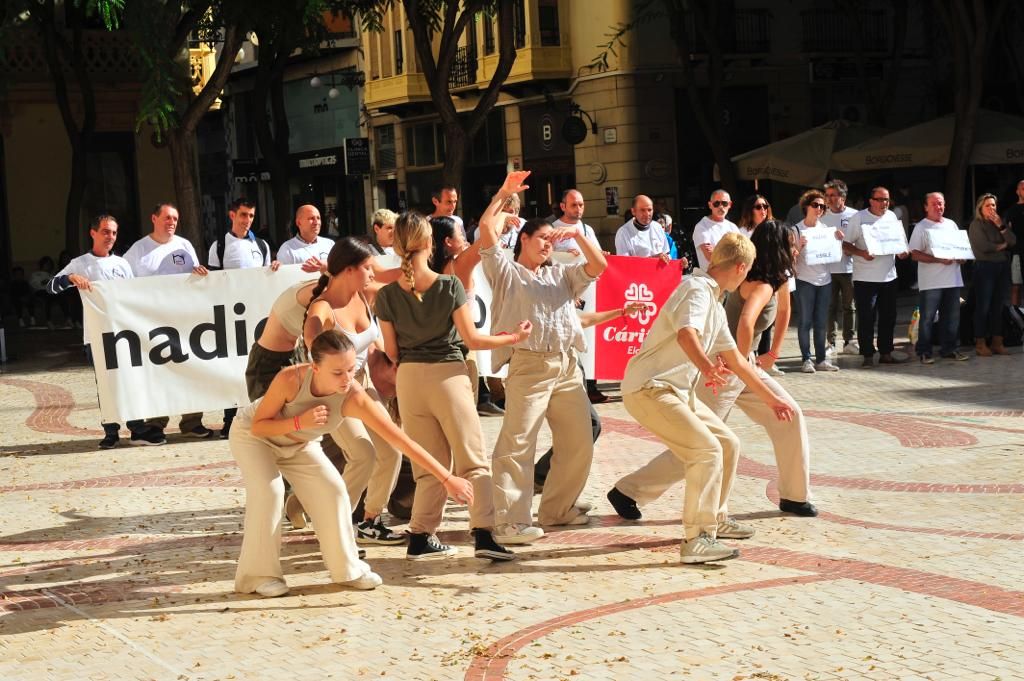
(641,242)
(570,244)
(92,268)
(149,257)
(707,231)
(840,221)
(883,267)
(818,275)
(295,251)
(239,254)
(933,275)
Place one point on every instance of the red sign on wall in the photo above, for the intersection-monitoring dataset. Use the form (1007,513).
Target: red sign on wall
(630,279)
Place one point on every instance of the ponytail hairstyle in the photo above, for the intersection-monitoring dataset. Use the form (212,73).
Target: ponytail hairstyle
(412,235)
(532,226)
(774,259)
(330,342)
(347,252)
(443,228)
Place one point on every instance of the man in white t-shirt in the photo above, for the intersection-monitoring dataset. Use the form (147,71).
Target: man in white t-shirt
(164,252)
(713,226)
(572,206)
(642,236)
(874,281)
(446,200)
(838,217)
(100,264)
(307,247)
(939,281)
(239,249)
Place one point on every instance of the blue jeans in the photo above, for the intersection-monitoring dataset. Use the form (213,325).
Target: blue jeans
(991,295)
(812,302)
(947,302)
(875,300)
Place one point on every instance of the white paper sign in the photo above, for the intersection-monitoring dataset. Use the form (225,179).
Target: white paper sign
(885,237)
(822,246)
(949,244)
(178,343)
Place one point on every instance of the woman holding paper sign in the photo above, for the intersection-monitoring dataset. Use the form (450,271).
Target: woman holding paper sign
(991,242)
(544,381)
(813,287)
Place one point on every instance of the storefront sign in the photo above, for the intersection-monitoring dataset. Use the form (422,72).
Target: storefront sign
(357,156)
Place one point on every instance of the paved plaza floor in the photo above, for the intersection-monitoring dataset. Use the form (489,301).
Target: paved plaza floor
(119,564)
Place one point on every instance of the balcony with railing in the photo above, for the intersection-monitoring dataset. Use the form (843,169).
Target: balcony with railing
(110,56)
(463,71)
(743,32)
(844,30)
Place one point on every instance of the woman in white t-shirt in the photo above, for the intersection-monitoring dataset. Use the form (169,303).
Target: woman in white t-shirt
(813,291)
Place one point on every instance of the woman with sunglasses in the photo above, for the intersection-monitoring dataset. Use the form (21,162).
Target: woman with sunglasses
(757,209)
(813,290)
(992,242)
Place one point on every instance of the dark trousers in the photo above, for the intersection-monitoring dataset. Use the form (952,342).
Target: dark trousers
(764,346)
(947,302)
(991,295)
(875,300)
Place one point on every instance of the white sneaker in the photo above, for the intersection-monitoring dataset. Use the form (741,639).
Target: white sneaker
(368,582)
(851,348)
(808,366)
(517,534)
(583,506)
(826,365)
(704,549)
(830,350)
(272,588)
(774,370)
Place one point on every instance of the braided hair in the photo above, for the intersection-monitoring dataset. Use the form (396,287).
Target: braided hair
(412,234)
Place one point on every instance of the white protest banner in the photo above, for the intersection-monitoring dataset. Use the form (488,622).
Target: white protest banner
(178,343)
(885,237)
(949,244)
(822,246)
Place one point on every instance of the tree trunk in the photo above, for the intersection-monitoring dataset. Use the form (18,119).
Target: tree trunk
(182,145)
(456,142)
(271,128)
(74,230)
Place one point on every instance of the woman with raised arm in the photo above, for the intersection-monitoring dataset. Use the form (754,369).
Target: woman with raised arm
(279,435)
(427,324)
(544,381)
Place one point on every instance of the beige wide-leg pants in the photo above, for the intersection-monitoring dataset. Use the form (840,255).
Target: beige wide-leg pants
(789,439)
(371,463)
(542,385)
(701,449)
(439,412)
(320,489)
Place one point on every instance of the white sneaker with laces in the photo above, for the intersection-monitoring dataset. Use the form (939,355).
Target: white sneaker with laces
(730,529)
(517,534)
(808,366)
(367,582)
(774,370)
(830,350)
(851,348)
(826,365)
(705,549)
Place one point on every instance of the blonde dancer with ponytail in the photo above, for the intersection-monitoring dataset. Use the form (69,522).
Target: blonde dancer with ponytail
(427,323)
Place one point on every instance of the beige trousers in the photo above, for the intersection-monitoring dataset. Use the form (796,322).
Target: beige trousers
(789,438)
(371,463)
(438,412)
(701,449)
(542,385)
(320,489)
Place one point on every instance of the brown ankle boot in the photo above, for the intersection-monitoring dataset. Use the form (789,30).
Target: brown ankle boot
(997,346)
(981,348)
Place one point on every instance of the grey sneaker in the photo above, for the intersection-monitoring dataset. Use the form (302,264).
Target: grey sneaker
(705,549)
(730,529)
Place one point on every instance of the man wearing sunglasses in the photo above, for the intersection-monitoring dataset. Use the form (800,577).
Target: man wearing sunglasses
(638,238)
(713,227)
(838,217)
(874,282)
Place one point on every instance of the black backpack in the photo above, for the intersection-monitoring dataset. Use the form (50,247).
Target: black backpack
(264,248)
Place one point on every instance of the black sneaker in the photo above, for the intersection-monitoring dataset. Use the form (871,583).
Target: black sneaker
(625,506)
(149,437)
(374,531)
(225,432)
(489,409)
(362,554)
(486,547)
(109,441)
(201,432)
(423,546)
(801,508)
